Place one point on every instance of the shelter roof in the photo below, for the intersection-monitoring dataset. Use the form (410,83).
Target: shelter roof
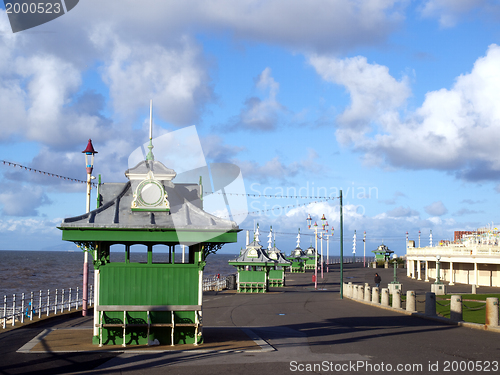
(253,254)
(383,249)
(276,255)
(298,253)
(116,213)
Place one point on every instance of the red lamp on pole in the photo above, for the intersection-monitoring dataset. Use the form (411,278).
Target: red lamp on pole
(89,163)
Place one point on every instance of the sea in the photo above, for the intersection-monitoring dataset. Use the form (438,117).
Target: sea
(32,271)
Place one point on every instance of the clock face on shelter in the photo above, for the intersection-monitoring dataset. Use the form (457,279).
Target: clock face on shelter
(150,193)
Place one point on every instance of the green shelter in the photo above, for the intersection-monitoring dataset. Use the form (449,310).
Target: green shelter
(156,300)
(382,253)
(277,274)
(311,258)
(253,267)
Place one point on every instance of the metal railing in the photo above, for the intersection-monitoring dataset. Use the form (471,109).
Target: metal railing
(20,307)
(215,283)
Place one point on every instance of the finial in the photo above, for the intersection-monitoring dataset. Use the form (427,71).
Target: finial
(150,156)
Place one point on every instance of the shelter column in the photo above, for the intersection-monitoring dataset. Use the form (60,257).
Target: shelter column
(408,267)
(452,276)
(413,269)
(476,275)
(427,270)
(419,270)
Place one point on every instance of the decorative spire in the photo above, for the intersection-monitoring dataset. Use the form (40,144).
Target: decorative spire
(270,238)
(257,234)
(150,155)
(298,239)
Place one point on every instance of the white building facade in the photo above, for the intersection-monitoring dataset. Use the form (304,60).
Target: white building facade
(476,261)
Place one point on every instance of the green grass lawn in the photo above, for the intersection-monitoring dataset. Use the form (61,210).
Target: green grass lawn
(473,312)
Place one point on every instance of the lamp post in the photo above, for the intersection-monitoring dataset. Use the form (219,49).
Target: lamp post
(364,249)
(309,221)
(323,224)
(438,269)
(327,235)
(341,247)
(89,162)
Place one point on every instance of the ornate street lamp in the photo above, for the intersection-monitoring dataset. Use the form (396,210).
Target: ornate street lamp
(89,163)
(323,221)
(309,221)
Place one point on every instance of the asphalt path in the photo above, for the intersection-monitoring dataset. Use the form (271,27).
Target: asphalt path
(302,330)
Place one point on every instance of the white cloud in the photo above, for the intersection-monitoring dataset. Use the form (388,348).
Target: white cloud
(276,170)
(450,11)
(315,24)
(455,129)
(175,78)
(261,114)
(215,150)
(374,93)
(402,212)
(21,200)
(436,209)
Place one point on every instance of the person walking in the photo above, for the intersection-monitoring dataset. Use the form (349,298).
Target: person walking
(377,280)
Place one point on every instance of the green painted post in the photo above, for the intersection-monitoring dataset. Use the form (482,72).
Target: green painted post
(99,204)
(341,249)
(395,270)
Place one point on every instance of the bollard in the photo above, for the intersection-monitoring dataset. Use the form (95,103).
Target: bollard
(385,297)
(473,289)
(375,295)
(492,312)
(368,294)
(361,292)
(456,308)
(410,301)
(430,304)
(349,289)
(396,299)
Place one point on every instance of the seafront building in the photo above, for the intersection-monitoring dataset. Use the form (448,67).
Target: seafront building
(474,258)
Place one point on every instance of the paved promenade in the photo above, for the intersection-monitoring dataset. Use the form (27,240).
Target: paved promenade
(290,330)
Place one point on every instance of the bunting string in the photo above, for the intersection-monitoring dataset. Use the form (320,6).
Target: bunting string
(271,196)
(275,208)
(49,174)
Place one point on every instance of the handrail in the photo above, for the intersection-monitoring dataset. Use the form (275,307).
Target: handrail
(41,303)
(45,303)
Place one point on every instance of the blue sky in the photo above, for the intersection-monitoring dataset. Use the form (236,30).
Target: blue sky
(395,102)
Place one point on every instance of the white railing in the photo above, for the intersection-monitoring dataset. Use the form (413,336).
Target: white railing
(214,283)
(20,307)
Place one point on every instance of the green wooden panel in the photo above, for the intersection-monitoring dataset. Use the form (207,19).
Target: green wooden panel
(276,274)
(252,276)
(145,284)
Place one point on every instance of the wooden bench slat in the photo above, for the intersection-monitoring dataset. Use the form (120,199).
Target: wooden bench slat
(148,308)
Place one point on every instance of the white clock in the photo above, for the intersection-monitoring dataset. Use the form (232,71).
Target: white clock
(150,196)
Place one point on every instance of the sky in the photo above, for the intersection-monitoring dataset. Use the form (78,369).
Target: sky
(393,102)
